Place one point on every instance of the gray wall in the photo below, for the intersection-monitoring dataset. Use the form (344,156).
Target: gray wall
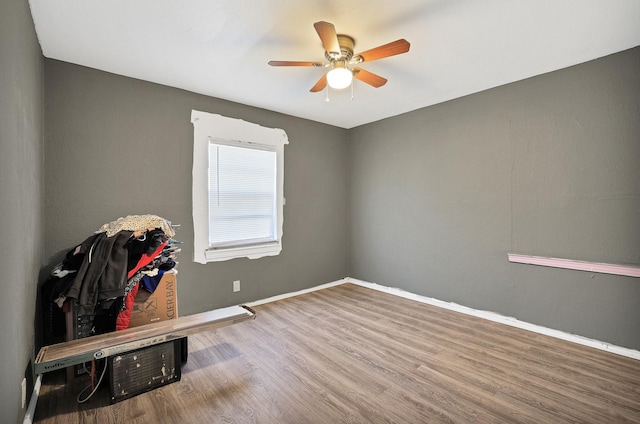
(117,146)
(21,185)
(549,166)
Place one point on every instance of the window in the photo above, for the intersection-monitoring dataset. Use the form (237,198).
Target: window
(237,188)
(242,194)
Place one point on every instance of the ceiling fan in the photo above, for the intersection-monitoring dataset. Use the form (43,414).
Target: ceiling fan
(342,62)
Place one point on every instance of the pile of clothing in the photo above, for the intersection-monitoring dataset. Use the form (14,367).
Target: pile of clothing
(101,276)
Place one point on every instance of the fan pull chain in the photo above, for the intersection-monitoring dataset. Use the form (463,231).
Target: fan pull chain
(326,99)
(352,84)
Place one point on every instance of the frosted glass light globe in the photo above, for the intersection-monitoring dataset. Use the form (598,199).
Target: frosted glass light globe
(339,77)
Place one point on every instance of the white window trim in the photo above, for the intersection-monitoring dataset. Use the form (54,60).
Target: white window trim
(208,126)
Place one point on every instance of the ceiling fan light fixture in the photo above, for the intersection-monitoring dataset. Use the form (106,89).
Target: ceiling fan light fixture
(339,76)
(342,64)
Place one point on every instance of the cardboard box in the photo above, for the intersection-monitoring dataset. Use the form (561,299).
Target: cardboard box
(160,305)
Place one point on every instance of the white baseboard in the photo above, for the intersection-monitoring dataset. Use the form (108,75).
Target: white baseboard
(31,409)
(297,293)
(491,316)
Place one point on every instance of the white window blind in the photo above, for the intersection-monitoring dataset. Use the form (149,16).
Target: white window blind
(242,194)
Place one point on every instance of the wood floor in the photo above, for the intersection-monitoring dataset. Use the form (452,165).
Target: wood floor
(349,354)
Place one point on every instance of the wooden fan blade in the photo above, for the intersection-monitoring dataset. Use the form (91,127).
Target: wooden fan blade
(369,77)
(328,36)
(390,49)
(293,63)
(320,85)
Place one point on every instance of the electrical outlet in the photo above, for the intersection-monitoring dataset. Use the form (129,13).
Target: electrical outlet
(236,286)
(24,392)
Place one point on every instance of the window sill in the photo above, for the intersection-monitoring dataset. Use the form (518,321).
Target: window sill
(251,252)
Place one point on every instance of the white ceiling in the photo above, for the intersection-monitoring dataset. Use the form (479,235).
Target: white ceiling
(221,48)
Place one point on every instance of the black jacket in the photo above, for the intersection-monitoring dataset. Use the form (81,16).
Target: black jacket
(103,272)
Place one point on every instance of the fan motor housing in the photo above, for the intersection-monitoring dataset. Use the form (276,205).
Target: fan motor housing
(347,43)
